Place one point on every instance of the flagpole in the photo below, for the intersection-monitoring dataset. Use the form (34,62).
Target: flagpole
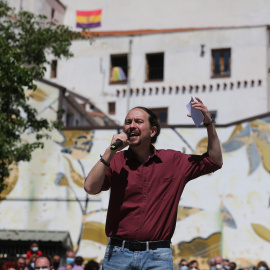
(128,75)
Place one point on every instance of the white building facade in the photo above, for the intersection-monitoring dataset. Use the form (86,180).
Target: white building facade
(216,51)
(167,52)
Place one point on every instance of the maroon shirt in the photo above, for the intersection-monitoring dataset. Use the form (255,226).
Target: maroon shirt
(144,197)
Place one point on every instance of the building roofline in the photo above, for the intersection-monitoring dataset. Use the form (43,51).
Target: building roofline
(158,31)
(61,4)
(174,126)
(71,96)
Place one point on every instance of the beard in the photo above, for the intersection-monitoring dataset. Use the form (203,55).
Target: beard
(135,143)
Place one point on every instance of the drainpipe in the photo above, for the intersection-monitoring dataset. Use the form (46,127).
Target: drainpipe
(128,77)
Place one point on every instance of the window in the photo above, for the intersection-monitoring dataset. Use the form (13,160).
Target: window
(213,115)
(111,107)
(53,68)
(154,66)
(119,68)
(221,63)
(162,114)
(69,119)
(52,13)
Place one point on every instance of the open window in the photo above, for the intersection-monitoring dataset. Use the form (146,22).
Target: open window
(111,108)
(54,69)
(119,68)
(154,67)
(221,63)
(162,114)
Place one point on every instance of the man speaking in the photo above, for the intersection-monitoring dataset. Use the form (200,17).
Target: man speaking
(146,186)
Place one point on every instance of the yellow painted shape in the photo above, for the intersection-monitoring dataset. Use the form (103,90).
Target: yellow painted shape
(201,147)
(184,212)
(262,231)
(11,181)
(94,231)
(71,137)
(264,149)
(76,177)
(38,95)
(63,181)
(198,247)
(237,129)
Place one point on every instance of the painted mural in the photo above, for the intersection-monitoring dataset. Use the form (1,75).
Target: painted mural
(225,213)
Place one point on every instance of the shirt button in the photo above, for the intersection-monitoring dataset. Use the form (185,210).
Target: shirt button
(144,196)
(140,227)
(143,211)
(145,180)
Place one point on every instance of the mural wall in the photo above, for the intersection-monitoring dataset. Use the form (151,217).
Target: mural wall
(225,213)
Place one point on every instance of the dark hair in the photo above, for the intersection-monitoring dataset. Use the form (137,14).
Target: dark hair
(262,263)
(193,261)
(91,265)
(78,260)
(183,260)
(153,120)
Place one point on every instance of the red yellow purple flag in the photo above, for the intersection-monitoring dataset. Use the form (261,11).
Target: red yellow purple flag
(88,19)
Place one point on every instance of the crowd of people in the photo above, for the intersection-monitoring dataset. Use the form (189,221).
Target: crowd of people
(34,259)
(219,263)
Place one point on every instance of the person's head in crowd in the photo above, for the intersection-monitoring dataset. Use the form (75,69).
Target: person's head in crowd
(42,263)
(183,264)
(232,265)
(55,261)
(21,262)
(262,265)
(193,265)
(78,260)
(34,247)
(226,264)
(212,264)
(218,261)
(70,257)
(10,266)
(91,265)
(32,260)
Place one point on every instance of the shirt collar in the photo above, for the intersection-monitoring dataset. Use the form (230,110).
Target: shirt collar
(155,156)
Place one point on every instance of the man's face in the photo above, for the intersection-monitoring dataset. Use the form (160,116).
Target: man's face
(138,128)
(56,258)
(42,264)
(194,265)
(21,263)
(70,254)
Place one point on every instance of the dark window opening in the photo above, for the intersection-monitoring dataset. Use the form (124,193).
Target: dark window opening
(119,68)
(213,115)
(162,114)
(52,13)
(221,63)
(111,107)
(54,69)
(154,66)
(70,120)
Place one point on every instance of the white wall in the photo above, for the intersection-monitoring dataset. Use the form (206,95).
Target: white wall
(183,66)
(40,7)
(153,14)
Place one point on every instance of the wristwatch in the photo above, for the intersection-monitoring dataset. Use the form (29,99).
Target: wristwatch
(207,124)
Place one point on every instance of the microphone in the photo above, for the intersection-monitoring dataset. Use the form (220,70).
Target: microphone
(115,145)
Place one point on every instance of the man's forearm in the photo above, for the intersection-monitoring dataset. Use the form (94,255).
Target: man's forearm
(95,179)
(214,149)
